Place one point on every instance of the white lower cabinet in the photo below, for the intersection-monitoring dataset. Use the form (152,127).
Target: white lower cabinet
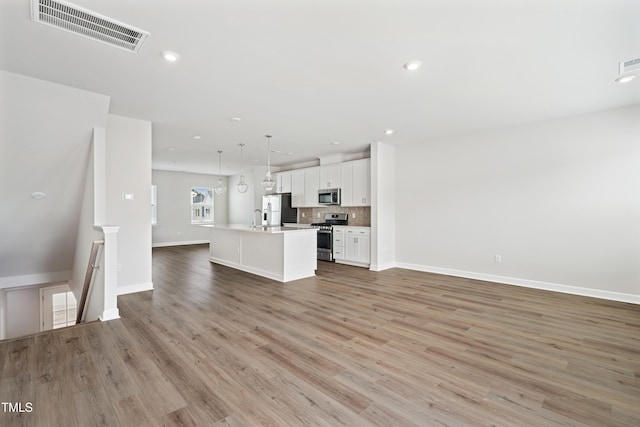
(352,245)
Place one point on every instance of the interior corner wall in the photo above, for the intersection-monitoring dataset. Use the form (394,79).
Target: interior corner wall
(174,207)
(558,201)
(383,206)
(241,204)
(128,171)
(259,174)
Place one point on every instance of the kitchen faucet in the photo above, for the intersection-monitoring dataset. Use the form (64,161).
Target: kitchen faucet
(258,211)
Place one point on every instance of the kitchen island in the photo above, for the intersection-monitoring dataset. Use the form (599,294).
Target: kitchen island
(279,253)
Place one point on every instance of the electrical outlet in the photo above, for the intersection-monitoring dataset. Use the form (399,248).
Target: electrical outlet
(353,214)
(319,215)
(302,214)
(498,258)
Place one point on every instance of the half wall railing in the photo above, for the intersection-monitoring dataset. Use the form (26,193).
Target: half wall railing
(88,278)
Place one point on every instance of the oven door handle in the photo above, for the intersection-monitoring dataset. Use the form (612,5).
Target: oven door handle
(325,231)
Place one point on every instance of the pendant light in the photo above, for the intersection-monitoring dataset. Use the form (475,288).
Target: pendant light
(220,188)
(242,186)
(268,183)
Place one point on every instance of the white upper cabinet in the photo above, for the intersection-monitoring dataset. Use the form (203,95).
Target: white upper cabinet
(283,182)
(330,176)
(356,183)
(362,182)
(311,186)
(346,194)
(353,178)
(297,188)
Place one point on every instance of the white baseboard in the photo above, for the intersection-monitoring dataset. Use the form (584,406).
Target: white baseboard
(35,279)
(131,289)
(258,271)
(381,267)
(109,315)
(183,243)
(555,287)
(355,264)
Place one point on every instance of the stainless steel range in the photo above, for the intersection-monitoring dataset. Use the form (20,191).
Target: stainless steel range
(325,233)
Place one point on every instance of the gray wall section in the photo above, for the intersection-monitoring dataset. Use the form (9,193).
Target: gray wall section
(174,207)
(558,200)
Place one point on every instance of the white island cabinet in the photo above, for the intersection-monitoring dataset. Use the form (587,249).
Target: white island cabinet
(279,253)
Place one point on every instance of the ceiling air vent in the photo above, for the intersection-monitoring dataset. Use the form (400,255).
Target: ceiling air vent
(629,66)
(69,17)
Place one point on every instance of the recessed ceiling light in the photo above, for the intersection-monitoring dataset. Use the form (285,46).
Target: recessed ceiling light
(38,195)
(197,137)
(625,79)
(290,154)
(170,149)
(388,131)
(412,65)
(170,56)
(235,119)
(335,143)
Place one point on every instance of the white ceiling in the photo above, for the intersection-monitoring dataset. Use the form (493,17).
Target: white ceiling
(314,72)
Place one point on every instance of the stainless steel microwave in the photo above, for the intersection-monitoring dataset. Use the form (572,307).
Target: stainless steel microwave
(329,196)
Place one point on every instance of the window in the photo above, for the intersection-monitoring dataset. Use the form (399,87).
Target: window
(154,205)
(58,308)
(201,205)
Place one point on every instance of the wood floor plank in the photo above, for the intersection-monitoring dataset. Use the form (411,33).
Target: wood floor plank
(214,346)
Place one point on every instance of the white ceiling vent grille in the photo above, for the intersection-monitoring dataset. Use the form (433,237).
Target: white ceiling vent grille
(69,17)
(629,66)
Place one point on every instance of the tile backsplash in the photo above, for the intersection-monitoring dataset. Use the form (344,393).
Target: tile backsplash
(311,215)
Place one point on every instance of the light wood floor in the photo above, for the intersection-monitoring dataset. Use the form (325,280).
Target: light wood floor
(218,347)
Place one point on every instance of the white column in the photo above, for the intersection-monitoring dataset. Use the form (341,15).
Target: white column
(110,273)
(383,206)
(3,314)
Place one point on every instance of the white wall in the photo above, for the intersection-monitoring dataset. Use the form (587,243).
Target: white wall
(128,170)
(86,231)
(558,200)
(174,207)
(23,311)
(45,135)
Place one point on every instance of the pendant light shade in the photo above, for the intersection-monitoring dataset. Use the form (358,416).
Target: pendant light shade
(242,186)
(268,183)
(220,188)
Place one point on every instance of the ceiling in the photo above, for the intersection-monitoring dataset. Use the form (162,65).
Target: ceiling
(312,73)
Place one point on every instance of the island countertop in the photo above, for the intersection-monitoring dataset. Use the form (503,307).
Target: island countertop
(259,229)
